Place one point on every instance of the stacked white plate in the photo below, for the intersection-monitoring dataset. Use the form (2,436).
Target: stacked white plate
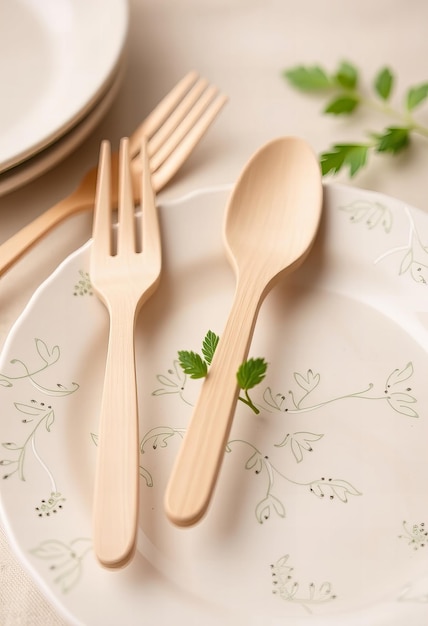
(61,63)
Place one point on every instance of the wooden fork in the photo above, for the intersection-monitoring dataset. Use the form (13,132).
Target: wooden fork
(124,273)
(173,129)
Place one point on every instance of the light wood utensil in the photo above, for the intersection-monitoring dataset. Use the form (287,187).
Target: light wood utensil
(124,273)
(271,222)
(173,129)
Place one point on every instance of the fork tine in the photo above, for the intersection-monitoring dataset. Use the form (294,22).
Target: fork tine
(150,221)
(155,119)
(181,149)
(126,235)
(182,129)
(176,116)
(101,230)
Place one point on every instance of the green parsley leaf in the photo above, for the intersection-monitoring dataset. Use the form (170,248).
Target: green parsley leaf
(308,78)
(416,95)
(192,364)
(342,105)
(383,83)
(347,97)
(352,155)
(347,75)
(393,140)
(251,373)
(209,345)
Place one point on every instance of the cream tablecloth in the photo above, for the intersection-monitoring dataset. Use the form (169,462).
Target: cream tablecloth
(242,46)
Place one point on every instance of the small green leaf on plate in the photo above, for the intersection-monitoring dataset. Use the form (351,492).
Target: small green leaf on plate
(209,346)
(192,364)
(251,373)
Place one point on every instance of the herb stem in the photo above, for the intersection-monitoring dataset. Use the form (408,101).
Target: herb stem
(382,107)
(419,129)
(247,400)
(406,119)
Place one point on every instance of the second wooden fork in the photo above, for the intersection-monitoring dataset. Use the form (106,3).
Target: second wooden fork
(124,271)
(173,130)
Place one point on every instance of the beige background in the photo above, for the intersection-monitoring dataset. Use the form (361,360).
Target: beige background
(242,46)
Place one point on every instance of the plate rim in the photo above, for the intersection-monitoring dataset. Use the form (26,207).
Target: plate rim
(68,116)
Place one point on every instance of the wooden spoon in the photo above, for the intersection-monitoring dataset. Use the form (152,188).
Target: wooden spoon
(271,222)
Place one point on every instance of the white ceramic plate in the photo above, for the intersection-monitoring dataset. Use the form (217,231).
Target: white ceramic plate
(56,57)
(46,159)
(320,516)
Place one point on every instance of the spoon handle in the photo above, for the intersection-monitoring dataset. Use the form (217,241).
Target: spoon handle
(199,460)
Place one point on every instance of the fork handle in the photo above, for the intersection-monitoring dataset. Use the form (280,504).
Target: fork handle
(115,510)
(16,246)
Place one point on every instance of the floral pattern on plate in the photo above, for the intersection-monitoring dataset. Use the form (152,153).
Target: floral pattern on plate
(320,511)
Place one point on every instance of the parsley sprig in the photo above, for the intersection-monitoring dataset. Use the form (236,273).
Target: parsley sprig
(249,374)
(345,96)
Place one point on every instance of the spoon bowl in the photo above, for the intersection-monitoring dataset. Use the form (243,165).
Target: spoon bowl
(275,208)
(270,225)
